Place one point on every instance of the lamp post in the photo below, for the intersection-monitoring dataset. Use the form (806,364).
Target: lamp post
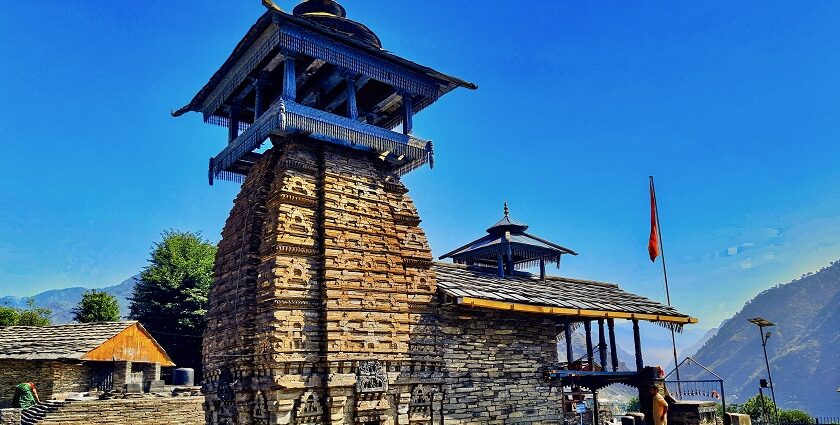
(764,323)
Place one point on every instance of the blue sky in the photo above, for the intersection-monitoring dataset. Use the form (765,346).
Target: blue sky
(733,107)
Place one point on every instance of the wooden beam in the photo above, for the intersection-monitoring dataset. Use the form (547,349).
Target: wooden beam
(576,312)
(341,96)
(324,79)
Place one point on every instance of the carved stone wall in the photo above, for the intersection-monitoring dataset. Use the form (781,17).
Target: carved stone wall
(323,283)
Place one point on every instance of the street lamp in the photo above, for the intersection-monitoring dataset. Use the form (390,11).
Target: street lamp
(764,323)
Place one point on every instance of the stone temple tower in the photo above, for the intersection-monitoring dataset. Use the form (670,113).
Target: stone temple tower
(323,276)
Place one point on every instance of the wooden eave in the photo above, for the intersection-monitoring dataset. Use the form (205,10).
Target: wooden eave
(133,343)
(447,83)
(572,312)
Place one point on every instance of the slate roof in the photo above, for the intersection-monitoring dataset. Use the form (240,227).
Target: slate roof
(56,342)
(461,281)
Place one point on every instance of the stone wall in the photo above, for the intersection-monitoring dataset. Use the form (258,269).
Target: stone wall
(494,365)
(145,411)
(13,372)
(10,416)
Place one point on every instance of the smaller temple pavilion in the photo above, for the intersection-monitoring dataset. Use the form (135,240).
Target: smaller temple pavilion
(62,360)
(515,318)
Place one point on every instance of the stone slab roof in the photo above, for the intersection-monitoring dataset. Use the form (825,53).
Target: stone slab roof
(482,287)
(56,342)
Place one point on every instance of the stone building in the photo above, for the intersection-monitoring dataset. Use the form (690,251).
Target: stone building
(327,306)
(73,358)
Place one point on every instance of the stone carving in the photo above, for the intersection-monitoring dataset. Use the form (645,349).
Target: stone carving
(371,378)
(261,408)
(310,410)
(224,389)
(421,399)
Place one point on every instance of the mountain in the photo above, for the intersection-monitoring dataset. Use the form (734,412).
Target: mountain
(803,349)
(62,301)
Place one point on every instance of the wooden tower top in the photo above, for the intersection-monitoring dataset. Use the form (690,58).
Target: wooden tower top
(316,73)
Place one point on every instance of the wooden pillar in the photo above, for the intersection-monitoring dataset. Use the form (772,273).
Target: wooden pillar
(352,109)
(408,113)
(596,418)
(637,340)
(509,252)
(568,331)
(289,79)
(259,95)
(602,344)
(542,268)
(590,355)
(501,264)
(233,123)
(613,346)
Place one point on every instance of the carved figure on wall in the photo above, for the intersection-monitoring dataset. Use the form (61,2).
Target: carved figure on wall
(310,410)
(371,377)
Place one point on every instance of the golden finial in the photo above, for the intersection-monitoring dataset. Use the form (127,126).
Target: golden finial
(507,211)
(271,6)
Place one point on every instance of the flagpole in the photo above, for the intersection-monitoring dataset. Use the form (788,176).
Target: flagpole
(665,275)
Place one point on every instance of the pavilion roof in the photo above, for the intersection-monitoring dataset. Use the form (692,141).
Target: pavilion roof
(523,292)
(508,234)
(81,341)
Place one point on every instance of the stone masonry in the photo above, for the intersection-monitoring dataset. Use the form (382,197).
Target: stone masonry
(321,284)
(494,365)
(51,378)
(141,411)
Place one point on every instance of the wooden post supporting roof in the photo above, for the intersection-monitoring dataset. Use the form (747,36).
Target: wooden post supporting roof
(590,355)
(613,346)
(289,79)
(568,331)
(637,341)
(602,344)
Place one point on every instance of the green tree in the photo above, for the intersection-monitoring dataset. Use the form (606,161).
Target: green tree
(758,409)
(33,316)
(633,405)
(170,299)
(96,306)
(795,416)
(9,316)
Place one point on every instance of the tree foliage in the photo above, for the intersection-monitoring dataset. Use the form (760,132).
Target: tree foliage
(97,306)
(170,299)
(634,405)
(765,412)
(30,316)
(758,408)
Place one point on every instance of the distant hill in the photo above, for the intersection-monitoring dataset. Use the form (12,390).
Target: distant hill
(62,301)
(804,348)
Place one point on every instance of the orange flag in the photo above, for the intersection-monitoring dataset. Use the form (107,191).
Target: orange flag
(653,242)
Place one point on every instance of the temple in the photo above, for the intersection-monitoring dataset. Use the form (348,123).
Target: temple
(327,305)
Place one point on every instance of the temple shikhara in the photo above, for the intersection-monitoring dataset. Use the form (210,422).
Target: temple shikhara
(327,306)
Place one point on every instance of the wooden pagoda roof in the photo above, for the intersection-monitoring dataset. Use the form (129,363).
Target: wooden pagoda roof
(446,83)
(508,233)
(481,287)
(103,341)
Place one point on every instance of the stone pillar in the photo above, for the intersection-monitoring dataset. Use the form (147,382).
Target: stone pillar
(121,375)
(151,371)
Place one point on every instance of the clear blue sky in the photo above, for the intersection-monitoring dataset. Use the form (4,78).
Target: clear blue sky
(734,107)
